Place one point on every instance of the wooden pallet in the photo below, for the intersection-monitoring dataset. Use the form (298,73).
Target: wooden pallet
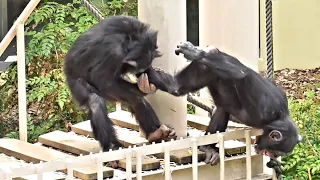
(59,144)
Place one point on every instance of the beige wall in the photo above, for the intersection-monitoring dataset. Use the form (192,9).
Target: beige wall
(296,27)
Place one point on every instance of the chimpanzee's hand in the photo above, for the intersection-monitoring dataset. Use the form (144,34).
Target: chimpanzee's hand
(145,86)
(212,155)
(189,51)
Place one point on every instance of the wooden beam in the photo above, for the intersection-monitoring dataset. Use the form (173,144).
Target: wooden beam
(126,137)
(70,143)
(35,153)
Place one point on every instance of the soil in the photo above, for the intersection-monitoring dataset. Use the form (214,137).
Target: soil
(296,82)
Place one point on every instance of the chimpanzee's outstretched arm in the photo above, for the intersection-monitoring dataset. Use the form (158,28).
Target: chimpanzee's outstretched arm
(221,64)
(163,81)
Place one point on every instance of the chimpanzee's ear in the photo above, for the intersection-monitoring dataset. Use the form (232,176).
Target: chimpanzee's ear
(275,135)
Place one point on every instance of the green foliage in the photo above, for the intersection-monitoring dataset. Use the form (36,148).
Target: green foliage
(114,7)
(53,27)
(304,162)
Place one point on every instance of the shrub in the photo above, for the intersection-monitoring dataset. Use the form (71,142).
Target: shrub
(304,162)
(53,27)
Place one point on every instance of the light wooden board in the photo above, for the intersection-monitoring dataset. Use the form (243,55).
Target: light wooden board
(183,156)
(70,143)
(202,122)
(46,176)
(126,137)
(35,153)
(147,163)
(124,119)
(259,177)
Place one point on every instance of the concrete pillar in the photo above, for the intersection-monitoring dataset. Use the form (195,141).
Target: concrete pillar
(169,18)
(232,26)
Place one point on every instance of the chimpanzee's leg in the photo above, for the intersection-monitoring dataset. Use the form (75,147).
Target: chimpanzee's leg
(221,64)
(142,110)
(102,126)
(218,122)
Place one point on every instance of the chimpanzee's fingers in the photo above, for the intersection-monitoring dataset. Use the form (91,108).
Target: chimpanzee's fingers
(208,157)
(153,88)
(215,159)
(140,82)
(146,84)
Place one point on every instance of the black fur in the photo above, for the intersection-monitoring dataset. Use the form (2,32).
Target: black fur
(240,94)
(96,61)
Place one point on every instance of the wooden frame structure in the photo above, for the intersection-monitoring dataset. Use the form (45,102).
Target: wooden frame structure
(128,153)
(138,152)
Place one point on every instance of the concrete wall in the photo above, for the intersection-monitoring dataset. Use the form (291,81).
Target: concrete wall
(296,28)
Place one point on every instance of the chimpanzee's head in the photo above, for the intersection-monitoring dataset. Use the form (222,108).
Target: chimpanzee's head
(141,50)
(278,139)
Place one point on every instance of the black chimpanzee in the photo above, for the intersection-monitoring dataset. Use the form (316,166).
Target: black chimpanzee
(94,67)
(239,93)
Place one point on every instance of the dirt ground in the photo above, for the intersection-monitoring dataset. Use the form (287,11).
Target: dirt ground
(295,82)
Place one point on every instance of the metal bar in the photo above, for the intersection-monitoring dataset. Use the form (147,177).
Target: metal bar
(248,154)
(22,95)
(194,158)
(222,157)
(167,172)
(21,19)
(129,164)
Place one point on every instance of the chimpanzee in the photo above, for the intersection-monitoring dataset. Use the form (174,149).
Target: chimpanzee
(239,93)
(94,68)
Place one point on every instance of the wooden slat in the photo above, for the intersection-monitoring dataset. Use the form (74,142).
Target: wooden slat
(259,177)
(148,163)
(183,156)
(124,119)
(202,122)
(126,137)
(35,153)
(47,175)
(70,143)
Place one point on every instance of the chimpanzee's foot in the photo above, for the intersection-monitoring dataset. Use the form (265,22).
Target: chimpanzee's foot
(212,155)
(162,133)
(189,51)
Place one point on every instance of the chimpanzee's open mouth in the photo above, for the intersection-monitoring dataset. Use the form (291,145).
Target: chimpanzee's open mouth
(129,77)
(265,152)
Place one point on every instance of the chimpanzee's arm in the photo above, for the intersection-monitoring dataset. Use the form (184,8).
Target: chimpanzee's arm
(163,81)
(192,78)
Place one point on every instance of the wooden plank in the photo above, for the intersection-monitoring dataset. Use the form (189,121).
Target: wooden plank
(259,177)
(70,143)
(183,156)
(202,122)
(46,175)
(124,119)
(125,136)
(29,152)
(148,163)
(35,153)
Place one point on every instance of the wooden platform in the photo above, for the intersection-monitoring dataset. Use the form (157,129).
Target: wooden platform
(58,144)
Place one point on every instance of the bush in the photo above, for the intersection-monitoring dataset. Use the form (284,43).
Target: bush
(53,27)
(304,162)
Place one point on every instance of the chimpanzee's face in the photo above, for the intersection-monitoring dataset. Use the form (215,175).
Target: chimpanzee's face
(141,54)
(278,141)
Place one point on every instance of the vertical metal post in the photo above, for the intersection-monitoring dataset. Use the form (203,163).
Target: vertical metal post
(194,158)
(222,157)
(248,154)
(22,97)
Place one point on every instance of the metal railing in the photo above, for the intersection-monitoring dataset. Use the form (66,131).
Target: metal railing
(17,29)
(98,159)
